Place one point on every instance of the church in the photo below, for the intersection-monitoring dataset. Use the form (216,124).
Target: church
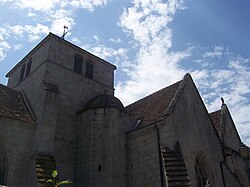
(58,112)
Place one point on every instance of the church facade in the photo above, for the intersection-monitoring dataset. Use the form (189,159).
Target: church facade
(58,111)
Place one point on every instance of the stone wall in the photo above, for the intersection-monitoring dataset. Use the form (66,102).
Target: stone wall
(16,139)
(101,150)
(143,158)
(196,134)
(55,110)
(63,53)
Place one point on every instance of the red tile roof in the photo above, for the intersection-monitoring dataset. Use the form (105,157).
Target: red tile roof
(216,119)
(153,107)
(12,105)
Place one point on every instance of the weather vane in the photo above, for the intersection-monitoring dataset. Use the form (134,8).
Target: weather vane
(64,31)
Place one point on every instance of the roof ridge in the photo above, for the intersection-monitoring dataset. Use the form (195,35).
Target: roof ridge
(177,93)
(157,105)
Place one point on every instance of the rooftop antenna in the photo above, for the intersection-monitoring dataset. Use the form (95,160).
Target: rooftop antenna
(64,31)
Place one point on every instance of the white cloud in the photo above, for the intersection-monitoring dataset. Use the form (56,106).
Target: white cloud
(147,23)
(37,5)
(96,38)
(118,40)
(107,52)
(30,14)
(42,17)
(6,1)
(155,63)
(88,4)
(17,47)
(217,52)
(3,33)
(47,5)
(229,80)
(58,19)
(35,32)
(4,47)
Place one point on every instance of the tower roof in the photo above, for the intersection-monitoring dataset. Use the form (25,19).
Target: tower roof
(104,101)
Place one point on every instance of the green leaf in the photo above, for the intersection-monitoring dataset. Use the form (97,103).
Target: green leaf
(64,182)
(54,173)
(50,180)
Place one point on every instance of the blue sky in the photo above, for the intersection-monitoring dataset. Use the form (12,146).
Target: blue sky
(152,42)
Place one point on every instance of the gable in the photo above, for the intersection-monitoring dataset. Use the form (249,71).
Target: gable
(12,105)
(156,106)
(225,127)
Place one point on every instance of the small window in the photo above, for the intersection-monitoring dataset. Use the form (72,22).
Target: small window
(22,73)
(28,68)
(78,64)
(99,168)
(89,69)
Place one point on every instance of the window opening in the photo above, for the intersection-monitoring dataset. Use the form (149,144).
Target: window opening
(78,64)
(89,69)
(22,73)
(99,168)
(28,68)
(200,174)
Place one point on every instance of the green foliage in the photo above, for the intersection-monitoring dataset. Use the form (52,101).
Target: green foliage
(54,181)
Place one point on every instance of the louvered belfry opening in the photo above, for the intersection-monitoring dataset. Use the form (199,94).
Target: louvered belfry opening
(175,168)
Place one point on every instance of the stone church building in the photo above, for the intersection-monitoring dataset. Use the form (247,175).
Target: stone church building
(58,111)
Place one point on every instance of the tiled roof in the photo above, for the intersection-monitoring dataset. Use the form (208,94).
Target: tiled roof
(12,105)
(153,107)
(216,119)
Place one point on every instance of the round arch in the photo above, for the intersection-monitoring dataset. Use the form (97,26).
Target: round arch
(203,172)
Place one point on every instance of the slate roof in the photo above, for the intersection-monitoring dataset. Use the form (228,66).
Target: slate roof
(154,107)
(12,105)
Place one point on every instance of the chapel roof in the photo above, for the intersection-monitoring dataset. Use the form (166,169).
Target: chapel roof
(154,107)
(12,105)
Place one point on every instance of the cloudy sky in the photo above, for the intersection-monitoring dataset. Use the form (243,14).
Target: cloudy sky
(152,42)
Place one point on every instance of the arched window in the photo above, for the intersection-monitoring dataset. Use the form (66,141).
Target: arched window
(3,167)
(200,173)
(203,173)
(78,63)
(89,69)
(22,73)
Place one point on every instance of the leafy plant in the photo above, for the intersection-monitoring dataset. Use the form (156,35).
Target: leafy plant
(54,181)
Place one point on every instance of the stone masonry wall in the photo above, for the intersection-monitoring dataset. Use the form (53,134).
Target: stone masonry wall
(63,53)
(143,158)
(101,151)
(16,140)
(196,135)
